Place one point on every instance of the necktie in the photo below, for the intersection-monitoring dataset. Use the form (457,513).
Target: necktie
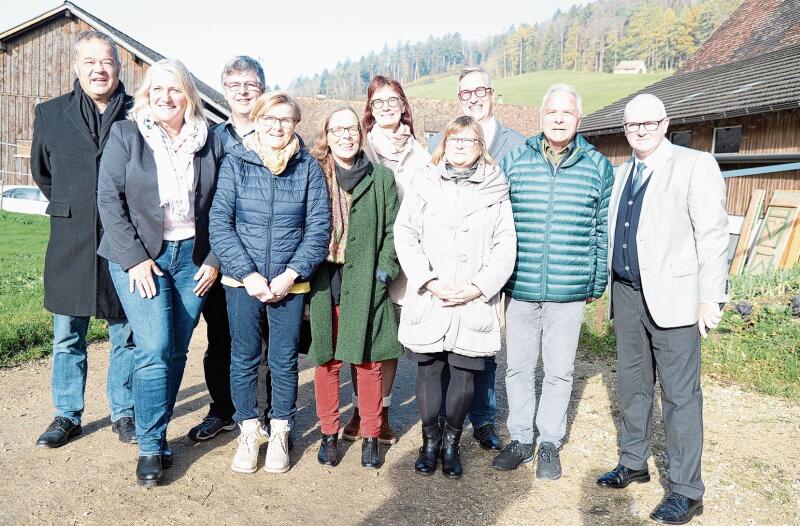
(638,178)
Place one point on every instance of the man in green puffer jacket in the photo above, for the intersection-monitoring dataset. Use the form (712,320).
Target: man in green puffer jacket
(560,188)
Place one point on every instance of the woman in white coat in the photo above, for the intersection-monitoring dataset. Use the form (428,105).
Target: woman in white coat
(455,240)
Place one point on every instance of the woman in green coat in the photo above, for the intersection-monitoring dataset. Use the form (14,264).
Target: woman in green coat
(352,318)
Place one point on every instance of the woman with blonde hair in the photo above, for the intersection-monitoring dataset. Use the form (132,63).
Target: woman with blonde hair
(270,226)
(456,243)
(352,319)
(156,182)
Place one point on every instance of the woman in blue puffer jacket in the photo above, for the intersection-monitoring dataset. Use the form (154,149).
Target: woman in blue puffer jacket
(270,228)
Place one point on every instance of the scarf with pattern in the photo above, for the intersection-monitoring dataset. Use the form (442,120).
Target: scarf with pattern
(275,161)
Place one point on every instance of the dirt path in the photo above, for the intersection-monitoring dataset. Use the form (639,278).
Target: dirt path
(751,465)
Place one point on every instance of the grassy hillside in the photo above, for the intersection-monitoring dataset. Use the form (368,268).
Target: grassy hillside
(596,89)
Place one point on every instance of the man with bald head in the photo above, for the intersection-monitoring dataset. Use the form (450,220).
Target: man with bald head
(668,242)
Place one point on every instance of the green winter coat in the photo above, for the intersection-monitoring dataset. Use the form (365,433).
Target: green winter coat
(367,324)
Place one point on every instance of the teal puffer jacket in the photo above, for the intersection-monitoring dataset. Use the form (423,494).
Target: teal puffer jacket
(561,220)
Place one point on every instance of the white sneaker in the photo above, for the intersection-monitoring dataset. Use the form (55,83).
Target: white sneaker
(277,460)
(246,457)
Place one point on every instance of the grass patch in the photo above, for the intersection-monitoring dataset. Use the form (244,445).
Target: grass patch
(26,328)
(597,89)
(760,351)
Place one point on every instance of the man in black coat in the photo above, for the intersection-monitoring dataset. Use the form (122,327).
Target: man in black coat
(69,134)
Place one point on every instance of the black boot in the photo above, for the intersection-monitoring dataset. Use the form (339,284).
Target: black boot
(148,470)
(370,458)
(429,452)
(451,454)
(328,451)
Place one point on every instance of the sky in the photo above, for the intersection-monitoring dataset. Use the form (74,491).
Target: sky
(293,38)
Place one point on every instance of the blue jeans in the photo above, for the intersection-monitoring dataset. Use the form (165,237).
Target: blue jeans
(483,409)
(69,367)
(162,328)
(246,315)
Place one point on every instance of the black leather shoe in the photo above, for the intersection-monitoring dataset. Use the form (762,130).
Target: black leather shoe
(58,433)
(677,509)
(514,454)
(451,453)
(620,477)
(149,470)
(488,438)
(370,457)
(166,456)
(328,450)
(125,428)
(429,452)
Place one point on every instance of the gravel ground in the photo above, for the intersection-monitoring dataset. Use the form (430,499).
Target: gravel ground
(751,464)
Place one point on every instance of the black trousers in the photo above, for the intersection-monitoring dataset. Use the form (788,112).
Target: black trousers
(217,360)
(429,391)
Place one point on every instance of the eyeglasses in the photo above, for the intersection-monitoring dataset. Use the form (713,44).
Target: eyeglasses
(465,143)
(247,86)
(633,127)
(481,92)
(338,131)
(272,122)
(377,104)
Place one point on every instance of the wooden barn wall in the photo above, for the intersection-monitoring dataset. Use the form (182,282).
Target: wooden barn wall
(37,66)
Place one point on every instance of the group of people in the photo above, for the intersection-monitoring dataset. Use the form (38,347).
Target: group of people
(382,249)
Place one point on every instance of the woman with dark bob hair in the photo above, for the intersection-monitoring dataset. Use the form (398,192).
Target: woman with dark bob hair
(455,239)
(352,319)
(270,226)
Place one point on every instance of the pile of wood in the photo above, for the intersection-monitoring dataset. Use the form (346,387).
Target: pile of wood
(773,242)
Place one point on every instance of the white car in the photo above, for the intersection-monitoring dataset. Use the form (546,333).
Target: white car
(24,199)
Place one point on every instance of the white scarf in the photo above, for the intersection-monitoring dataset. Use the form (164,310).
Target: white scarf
(391,145)
(174,161)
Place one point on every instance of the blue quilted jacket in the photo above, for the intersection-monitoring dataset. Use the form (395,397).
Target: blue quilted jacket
(261,222)
(561,219)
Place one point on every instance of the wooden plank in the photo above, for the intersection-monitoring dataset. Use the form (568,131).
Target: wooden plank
(775,233)
(792,253)
(748,230)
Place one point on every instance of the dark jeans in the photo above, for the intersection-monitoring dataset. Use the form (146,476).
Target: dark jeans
(430,398)
(483,409)
(247,316)
(217,360)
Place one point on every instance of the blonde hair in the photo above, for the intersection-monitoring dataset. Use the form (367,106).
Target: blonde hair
(321,150)
(459,124)
(141,99)
(267,101)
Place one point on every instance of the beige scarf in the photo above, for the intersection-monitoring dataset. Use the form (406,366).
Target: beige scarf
(275,161)
(390,145)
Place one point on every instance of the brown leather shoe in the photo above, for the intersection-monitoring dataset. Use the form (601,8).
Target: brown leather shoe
(352,431)
(386,436)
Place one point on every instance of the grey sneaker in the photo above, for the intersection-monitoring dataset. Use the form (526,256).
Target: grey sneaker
(514,454)
(549,465)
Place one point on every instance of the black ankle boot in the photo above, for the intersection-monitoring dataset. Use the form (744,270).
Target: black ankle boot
(148,470)
(370,457)
(429,452)
(328,450)
(451,455)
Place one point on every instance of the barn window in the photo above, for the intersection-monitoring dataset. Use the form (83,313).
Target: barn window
(727,139)
(681,138)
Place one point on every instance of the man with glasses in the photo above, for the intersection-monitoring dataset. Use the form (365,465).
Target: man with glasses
(668,242)
(243,82)
(560,188)
(476,96)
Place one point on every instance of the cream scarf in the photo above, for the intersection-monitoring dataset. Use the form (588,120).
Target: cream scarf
(390,145)
(274,161)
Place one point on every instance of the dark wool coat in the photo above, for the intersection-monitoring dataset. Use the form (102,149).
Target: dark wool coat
(64,163)
(367,324)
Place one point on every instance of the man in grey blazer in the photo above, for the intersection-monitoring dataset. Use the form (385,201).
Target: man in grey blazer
(476,95)
(668,240)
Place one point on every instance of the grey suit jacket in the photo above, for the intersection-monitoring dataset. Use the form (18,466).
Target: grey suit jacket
(682,236)
(127,198)
(505,140)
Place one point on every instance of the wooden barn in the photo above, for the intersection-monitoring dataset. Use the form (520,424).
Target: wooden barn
(36,65)
(737,97)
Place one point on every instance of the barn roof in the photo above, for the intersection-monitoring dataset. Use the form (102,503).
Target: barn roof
(213,99)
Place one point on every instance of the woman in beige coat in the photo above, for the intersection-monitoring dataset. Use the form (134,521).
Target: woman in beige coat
(455,240)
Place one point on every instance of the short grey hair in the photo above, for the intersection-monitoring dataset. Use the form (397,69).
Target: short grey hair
(85,36)
(242,64)
(469,71)
(563,88)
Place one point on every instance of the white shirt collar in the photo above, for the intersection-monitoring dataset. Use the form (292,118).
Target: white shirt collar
(656,160)
(489,131)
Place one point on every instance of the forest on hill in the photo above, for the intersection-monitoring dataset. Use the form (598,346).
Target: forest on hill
(591,38)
